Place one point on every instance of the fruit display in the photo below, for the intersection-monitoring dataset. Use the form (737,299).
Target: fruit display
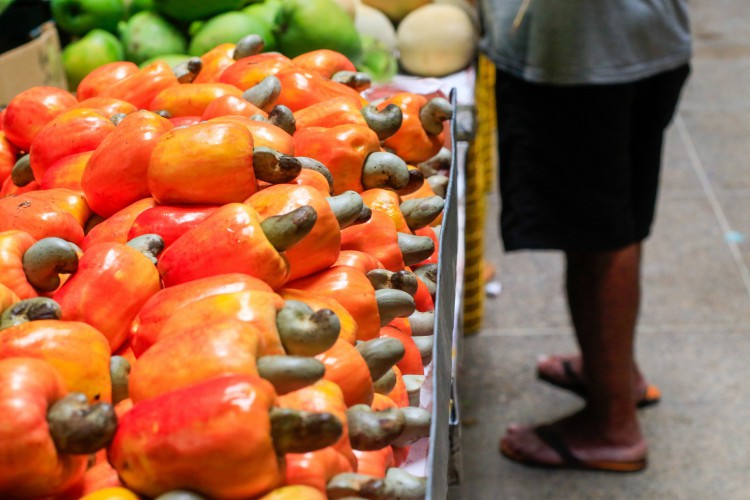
(140,32)
(78,17)
(436,40)
(424,38)
(217,279)
(420,37)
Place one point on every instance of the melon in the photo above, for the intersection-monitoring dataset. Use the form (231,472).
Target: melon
(436,40)
(396,10)
(372,22)
(468,7)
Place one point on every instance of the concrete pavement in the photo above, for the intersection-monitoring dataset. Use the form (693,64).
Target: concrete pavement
(694,327)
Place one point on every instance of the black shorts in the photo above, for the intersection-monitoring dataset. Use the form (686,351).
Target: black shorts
(579,165)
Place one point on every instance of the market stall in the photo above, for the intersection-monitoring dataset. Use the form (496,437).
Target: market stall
(249,266)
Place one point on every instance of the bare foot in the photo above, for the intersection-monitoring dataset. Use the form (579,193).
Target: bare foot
(566,371)
(576,441)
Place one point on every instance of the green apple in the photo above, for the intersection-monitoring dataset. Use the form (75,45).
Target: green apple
(193,10)
(96,49)
(78,17)
(228,27)
(133,7)
(147,35)
(270,12)
(378,60)
(317,24)
(4,4)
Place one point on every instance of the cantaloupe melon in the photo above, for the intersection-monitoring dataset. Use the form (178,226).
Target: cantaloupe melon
(436,40)
(370,21)
(469,7)
(396,10)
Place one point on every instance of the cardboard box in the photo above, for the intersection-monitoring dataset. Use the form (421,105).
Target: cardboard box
(38,62)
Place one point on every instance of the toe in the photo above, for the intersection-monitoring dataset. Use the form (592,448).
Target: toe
(542,359)
(522,444)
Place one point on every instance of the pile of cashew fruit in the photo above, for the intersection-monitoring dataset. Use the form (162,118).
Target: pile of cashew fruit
(217,281)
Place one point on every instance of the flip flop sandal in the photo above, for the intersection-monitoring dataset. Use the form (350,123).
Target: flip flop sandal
(551,438)
(574,384)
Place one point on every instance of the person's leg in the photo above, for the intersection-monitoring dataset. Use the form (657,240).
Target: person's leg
(583,315)
(603,292)
(653,106)
(588,177)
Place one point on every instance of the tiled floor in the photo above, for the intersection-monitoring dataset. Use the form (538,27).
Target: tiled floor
(694,330)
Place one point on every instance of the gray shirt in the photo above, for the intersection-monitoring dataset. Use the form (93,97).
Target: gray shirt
(586,41)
